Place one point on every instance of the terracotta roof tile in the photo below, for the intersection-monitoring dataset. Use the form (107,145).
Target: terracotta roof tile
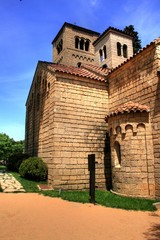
(78,71)
(96,69)
(127,108)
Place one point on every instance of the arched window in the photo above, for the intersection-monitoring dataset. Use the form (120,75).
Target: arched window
(118,49)
(58,49)
(82,44)
(87,45)
(76,42)
(79,64)
(60,46)
(118,153)
(105,52)
(118,130)
(125,50)
(101,55)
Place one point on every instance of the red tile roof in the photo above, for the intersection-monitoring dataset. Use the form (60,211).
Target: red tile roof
(91,71)
(127,108)
(96,69)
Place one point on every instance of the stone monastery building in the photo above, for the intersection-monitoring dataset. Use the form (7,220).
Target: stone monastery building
(96,97)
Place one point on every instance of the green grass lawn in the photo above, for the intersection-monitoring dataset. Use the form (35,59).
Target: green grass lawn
(28,185)
(2,168)
(104,198)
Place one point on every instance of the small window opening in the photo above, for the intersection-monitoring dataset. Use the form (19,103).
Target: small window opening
(58,49)
(104,66)
(87,45)
(118,153)
(101,55)
(118,49)
(82,44)
(60,46)
(125,50)
(76,42)
(79,64)
(105,52)
(48,86)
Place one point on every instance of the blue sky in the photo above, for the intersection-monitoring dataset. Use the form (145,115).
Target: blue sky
(28,27)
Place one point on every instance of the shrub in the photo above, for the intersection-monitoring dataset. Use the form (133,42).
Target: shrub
(33,168)
(14,161)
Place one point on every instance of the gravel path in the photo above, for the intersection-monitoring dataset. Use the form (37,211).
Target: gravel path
(31,216)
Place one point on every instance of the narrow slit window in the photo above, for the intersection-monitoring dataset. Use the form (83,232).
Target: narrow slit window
(77,42)
(105,52)
(101,55)
(125,51)
(87,45)
(118,49)
(118,153)
(82,44)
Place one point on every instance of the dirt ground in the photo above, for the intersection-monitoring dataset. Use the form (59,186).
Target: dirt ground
(36,217)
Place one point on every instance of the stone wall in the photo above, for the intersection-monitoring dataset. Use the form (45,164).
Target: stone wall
(68,125)
(78,130)
(137,81)
(38,115)
(71,55)
(132,161)
(110,41)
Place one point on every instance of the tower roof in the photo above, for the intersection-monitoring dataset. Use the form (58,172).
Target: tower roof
(111,29)
(127,108)
(74,27)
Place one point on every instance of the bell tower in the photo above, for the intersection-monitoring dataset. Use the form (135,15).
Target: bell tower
(113,47)
(74,45)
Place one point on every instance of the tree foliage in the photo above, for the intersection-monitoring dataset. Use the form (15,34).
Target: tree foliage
(136,41)
(8,146)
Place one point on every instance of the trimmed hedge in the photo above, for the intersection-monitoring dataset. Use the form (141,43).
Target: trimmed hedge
(33,168)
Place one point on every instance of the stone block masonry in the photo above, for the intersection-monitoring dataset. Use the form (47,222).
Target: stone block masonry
(78,130)
(137,81)
(69,125)
(67,105)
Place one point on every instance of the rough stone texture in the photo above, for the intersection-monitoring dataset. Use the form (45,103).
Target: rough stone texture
(9,184)
(65,118)
(69,54)
(67,126)
(137,81)
(134,173)
(110,41)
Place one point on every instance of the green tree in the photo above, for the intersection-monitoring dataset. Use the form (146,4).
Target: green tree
(136,41)
(8,146)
